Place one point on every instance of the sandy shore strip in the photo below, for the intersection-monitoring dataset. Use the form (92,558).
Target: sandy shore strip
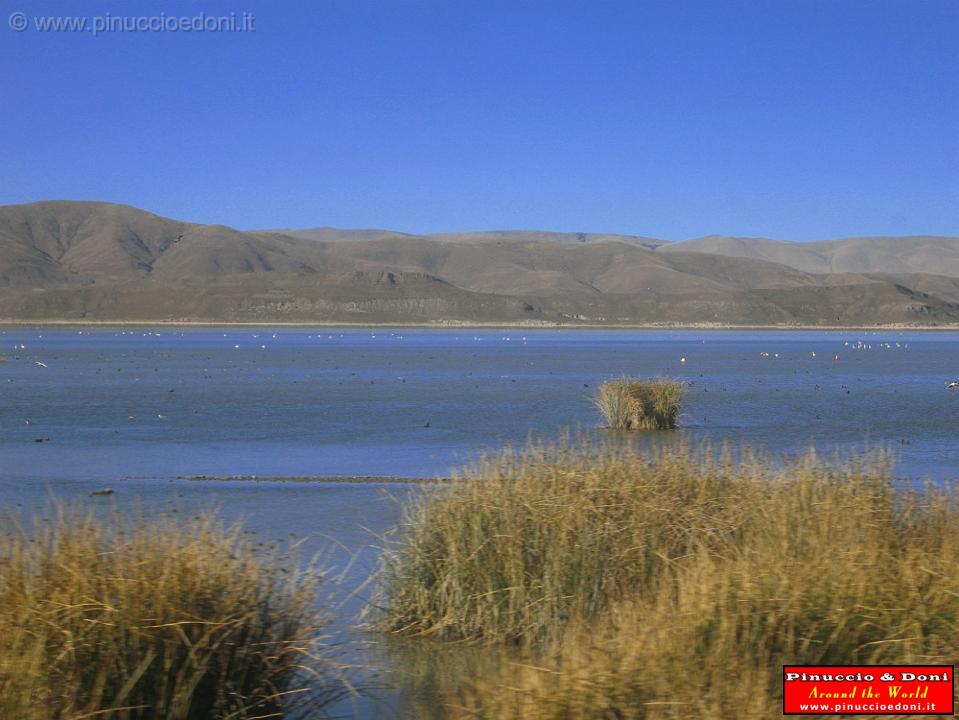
(14,323)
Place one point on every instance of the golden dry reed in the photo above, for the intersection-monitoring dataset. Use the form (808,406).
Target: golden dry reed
(674,586)
(637,404)
(154,619)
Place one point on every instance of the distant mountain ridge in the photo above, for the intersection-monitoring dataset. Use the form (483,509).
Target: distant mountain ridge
(916,253)
(63,260)
(327,234)
(868,254)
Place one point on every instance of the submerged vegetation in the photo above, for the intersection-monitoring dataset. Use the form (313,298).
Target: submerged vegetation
(673,585)
(155,619)
(637,404)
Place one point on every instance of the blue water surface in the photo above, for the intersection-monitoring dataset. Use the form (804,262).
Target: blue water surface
(135,409)
(164,402)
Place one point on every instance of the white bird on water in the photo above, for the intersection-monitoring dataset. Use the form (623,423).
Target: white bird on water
(40,363)
(953,385)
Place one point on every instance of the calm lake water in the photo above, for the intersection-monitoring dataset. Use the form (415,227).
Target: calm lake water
(135,408)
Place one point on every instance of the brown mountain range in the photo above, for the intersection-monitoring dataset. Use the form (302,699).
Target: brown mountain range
(65,260)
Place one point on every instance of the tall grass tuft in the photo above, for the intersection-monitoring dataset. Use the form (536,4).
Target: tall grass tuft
(676,585)
(158,620)
(528,541)
(636,404)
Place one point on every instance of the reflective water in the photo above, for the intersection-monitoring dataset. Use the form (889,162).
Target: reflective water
(134,408)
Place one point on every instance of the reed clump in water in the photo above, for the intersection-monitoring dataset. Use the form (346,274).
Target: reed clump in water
(637,404)
(675,586)
(155,619)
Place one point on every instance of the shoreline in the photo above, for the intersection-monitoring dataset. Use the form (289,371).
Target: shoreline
(339,479)
(465,325)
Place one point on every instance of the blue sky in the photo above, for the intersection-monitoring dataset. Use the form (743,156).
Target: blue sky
(796,119)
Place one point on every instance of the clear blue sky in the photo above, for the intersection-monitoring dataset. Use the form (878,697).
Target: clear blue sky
(796,119)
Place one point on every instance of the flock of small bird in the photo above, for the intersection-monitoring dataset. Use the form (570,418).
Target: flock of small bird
(858,345)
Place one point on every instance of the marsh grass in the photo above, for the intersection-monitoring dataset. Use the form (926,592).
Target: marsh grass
(155,619)
(527,541)
(637,404)
(676,585)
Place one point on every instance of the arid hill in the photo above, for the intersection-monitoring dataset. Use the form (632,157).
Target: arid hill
(491,236)
(67,260)
(913,254)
